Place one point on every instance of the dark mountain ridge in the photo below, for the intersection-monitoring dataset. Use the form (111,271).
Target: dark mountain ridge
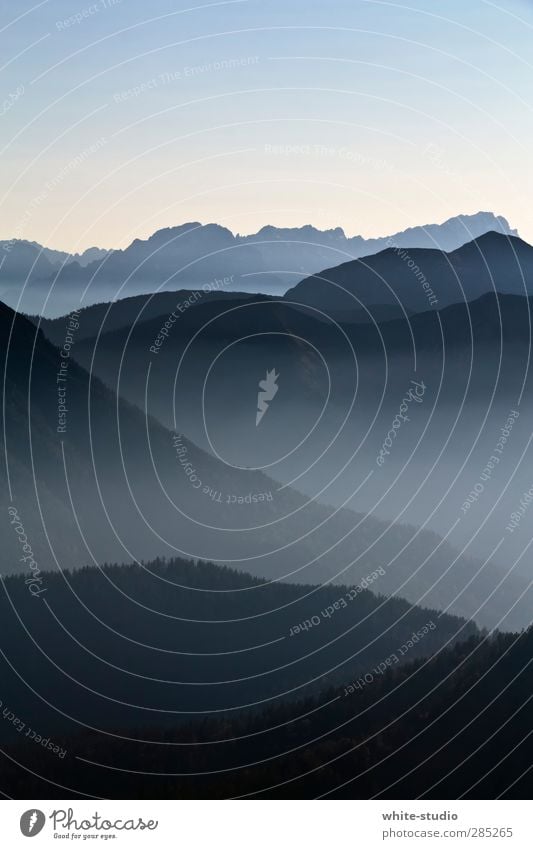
(420,280)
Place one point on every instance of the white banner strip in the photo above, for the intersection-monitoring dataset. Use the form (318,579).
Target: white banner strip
(266,824)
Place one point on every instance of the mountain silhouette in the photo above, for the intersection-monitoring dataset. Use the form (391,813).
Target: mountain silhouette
(194,255)
(422,279)
(113,484)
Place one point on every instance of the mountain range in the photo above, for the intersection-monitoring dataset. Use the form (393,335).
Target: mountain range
(284,620)
(38,280)
(341,384)
(113,482)
(23,260)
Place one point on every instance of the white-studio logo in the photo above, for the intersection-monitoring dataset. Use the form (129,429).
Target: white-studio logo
(267,390)
(32,822)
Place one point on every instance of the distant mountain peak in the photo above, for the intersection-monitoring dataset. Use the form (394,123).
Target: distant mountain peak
(193,255)
(305,230)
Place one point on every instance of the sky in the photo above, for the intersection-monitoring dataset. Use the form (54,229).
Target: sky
(120,117)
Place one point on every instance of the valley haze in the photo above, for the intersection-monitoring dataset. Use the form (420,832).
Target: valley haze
(266,450)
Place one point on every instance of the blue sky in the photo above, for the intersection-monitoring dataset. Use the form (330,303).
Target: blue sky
(120,117)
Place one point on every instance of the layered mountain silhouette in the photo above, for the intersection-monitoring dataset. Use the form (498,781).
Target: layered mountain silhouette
(286,622)
(24,261)
(114,483)
(448,236)
(126,312)
(340,389)
(193,254)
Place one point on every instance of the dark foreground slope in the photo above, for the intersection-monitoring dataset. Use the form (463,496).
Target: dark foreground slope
(455,726)
(132,646)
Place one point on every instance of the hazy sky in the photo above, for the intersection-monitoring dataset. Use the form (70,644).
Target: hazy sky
(120,117)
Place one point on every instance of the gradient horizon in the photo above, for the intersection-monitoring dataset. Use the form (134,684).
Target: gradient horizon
(121,119)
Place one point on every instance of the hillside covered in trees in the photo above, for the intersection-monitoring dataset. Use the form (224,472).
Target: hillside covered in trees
(457,725)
